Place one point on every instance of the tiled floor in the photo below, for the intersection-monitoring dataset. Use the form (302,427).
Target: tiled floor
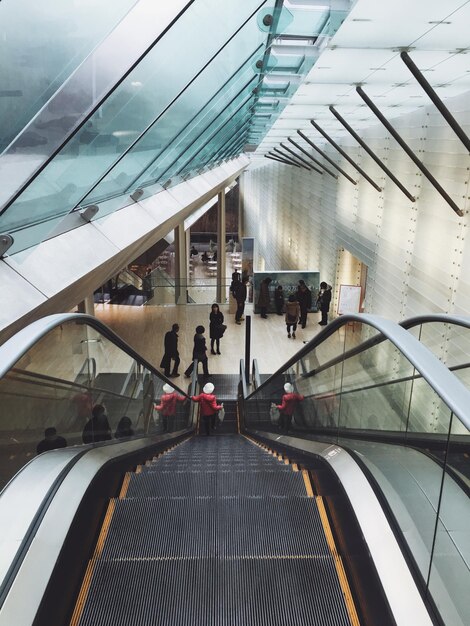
(144,329)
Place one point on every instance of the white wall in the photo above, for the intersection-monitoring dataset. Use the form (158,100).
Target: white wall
(416,253)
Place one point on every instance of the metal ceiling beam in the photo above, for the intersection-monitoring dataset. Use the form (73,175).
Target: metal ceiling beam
(301,159)
(328,171)
(345,155)
(276,158)
(325,156)
(440,106)
(409,151)
(371,153)
(288,158)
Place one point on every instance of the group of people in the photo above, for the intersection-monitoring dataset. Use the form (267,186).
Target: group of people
(217,329)
(96,429)
(297,306)
(209,407)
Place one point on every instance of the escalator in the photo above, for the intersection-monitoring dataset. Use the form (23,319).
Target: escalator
(229,530)
(250,525)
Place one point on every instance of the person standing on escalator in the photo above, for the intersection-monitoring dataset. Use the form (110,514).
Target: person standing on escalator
(167,407)
(209,407)
(287,407)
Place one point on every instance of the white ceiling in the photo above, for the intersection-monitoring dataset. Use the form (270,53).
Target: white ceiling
(366,51)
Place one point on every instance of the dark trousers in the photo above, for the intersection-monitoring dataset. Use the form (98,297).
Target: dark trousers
(202,360)
(294,327)
(217,344)
(324,316)
(303,317)
(285,422)
(177,361)
(240,310)
(208,421)
(264,311)
(168,421)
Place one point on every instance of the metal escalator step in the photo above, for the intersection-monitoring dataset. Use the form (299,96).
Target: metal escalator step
(225,527)
(210,592)
(216,483)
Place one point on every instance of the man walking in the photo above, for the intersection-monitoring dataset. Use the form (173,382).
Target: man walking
(171,352)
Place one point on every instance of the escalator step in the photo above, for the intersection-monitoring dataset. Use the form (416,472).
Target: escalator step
(226,527)
(209,482)
(209,592)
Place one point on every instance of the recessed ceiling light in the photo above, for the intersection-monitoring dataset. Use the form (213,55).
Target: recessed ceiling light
(376,69)
(438,22)
(361,19)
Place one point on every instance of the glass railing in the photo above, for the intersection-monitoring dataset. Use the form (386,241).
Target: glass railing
(371,387)
(448,337)
(67,380)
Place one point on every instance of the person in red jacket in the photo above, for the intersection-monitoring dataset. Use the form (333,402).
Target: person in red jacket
(287,407)
(167,407)
(209,406)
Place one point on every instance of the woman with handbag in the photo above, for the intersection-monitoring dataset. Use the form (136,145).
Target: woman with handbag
(216,327)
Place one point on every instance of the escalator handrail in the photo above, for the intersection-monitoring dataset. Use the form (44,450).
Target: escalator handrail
(18,345)
(457,320)
(454,394)
(407,324)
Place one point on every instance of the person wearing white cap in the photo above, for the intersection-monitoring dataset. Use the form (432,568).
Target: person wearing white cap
(167,406)
(287,407)
(209,406)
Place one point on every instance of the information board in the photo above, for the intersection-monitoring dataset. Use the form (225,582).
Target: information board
(349,299)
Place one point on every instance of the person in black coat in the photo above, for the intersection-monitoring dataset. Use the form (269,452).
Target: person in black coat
(279,299)
(304,298)
(97,428)
(124,428)
(323,302)
(240,293)
(171,352)
(216,327)
(199,352)
(51,441)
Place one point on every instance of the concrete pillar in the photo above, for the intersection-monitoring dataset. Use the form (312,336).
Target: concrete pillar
(241,208)
(181,265)
(221,261)
(87,306)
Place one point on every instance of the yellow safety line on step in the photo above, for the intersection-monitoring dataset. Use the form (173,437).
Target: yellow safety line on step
(138,469)
(308,484)
(295,467)
(343,581)
(125,486)
(82,596)
(104,529)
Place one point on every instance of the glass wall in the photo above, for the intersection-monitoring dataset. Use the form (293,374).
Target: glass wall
(71,375)
(368,397)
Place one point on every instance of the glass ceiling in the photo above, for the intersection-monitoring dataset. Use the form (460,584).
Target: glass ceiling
(96,112)
(90,111)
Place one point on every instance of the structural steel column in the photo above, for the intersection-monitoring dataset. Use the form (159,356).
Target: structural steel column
(221,261)
(181,265)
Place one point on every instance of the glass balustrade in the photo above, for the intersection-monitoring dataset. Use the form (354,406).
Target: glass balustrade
(356,388)
(71,374)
